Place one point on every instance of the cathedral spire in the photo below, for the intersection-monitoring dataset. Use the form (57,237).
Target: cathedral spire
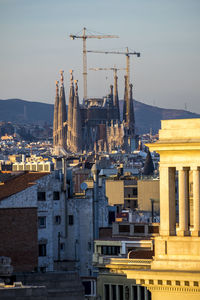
(111,93)
(62,115)
(132,116)
(55,119)
(62,102)
(70,110)
(125,98)
(77,134)
(116,98)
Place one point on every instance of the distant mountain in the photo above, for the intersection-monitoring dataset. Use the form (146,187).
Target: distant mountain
(17,110)
(146,116)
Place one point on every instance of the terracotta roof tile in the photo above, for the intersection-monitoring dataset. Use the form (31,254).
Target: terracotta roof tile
(19,182)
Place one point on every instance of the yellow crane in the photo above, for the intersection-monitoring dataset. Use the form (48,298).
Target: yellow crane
(127,54)
(84,37)
(114,69)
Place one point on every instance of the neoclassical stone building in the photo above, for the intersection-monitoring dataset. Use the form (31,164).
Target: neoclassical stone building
(174,272)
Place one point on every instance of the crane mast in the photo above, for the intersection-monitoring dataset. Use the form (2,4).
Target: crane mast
(84,37)
(84,65)
(127,54)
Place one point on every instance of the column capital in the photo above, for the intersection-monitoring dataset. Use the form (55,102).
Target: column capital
(195,168)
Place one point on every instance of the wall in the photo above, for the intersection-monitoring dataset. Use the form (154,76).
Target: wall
(24,293)
(80,234)
(115,191)
(51,208)
(148,189)
(18,236)
(116,281)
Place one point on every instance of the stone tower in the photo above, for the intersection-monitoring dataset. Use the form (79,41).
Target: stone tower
(132,115)
(111,94)
(70,111)
(62,115)
(125,98)
(55,119)
(116,98)
(77,128)
(129,119)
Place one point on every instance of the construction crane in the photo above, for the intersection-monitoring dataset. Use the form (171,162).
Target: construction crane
(127,54)
(114,69)
(84,37)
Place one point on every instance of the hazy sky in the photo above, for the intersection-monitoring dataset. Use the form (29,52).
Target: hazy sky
(35,45)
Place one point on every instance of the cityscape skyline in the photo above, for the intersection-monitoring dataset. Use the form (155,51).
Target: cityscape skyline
(36,45)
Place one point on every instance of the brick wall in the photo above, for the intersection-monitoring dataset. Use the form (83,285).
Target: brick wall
(18,237)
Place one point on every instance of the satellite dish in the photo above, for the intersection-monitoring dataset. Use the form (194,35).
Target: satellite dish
(84,186)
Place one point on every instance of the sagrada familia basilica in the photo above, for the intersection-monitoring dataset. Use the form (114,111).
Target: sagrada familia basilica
(94,125)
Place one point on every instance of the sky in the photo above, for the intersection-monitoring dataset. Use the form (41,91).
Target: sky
(35,46)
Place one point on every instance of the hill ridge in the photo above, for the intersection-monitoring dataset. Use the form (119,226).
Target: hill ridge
(146,116)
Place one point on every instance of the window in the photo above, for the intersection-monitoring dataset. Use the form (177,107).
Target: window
(124,228)
(57,220)
(87,286)
(121,292)
(56,195)
(111,217)
(114,293)
(90,287)
(110,250)
(106,291)
(71,219)
(138,228)
(135,292)
(41,196)
(41,222)
(42,250)
(62,246)
(135,192)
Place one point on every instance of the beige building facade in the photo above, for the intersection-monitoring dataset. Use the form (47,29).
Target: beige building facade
(148,192)
(115,191)
(174,272)
(134,193)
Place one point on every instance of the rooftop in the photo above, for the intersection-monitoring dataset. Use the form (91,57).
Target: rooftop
(18,182)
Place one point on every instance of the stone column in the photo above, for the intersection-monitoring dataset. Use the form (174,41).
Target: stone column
(138,292)
(117,292)
(183,201)
(110,291)
(167,201)
(196,202)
